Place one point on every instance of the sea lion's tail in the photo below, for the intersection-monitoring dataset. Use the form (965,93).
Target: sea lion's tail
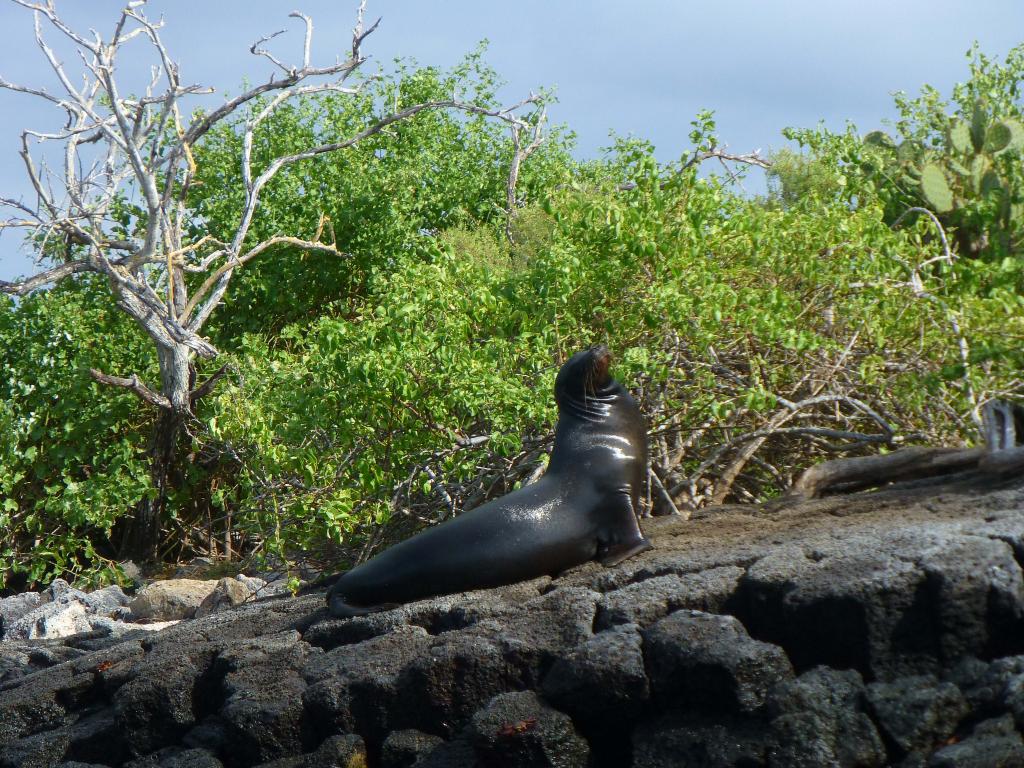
(318,584)
(616,554)
(343,610)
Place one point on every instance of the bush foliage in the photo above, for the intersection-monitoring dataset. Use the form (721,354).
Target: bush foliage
(396,387)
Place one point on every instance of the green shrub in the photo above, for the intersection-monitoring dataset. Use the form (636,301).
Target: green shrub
(72,455)
(413,380)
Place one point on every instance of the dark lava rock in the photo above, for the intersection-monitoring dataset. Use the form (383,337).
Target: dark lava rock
(976,595)
(459,674)
(683,655)
(346,751)
(917,713)
(442,614)
(401,749)
(358,688)
(261,690)
(854,611)
(458,753)
(703,661)
(1014,698)
(993,744)
(647,601)
(518,730)
(682,739)
(20,659)
(602,678)
(910,602)
(42,702)
(37,751)
(173,757)
(89,739)
(992,688)
(820,719)
(171,693)
(989,687)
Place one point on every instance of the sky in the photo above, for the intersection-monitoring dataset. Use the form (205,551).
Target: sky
(645,68)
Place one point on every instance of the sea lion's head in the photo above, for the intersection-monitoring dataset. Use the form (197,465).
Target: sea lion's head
(584,376)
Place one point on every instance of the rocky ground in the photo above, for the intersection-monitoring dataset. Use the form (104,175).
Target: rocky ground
(871,630)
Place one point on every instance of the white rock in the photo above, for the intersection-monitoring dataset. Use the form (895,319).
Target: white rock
(154,626)
(117,628)
(61,618)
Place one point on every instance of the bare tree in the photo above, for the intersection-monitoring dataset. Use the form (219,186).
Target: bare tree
(116,146)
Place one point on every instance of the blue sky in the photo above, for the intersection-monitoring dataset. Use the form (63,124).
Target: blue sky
(643,68)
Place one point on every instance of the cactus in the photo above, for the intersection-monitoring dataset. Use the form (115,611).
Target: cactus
(960,137)
(1004,135)
(958,168)
(979,121)
(997,138)
(936,189)
(1017,130)
(954,176)
(908,151)
(979,166)
(990,183)
(880,139)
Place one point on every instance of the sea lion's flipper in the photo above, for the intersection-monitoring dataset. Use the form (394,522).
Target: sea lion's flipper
(623,537)
(341,610)
(616,553)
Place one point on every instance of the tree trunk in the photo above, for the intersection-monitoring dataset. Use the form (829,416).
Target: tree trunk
(141,541)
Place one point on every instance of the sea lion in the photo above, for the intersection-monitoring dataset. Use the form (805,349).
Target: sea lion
(584,507)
